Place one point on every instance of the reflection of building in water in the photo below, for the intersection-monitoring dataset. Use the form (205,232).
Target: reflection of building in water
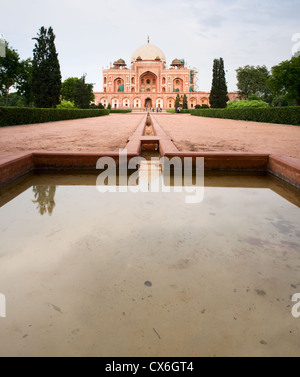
(150,83)
(44,198)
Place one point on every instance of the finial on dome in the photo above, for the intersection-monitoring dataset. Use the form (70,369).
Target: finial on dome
(148,39)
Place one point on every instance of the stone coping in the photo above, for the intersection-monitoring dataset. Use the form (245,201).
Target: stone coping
(282,167)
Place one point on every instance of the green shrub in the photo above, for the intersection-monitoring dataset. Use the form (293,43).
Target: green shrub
(279,115)
(247,104)
(13,116)
(117,111)
(197,107)
(204,107)
(66,105)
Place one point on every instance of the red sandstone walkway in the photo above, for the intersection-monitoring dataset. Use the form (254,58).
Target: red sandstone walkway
(108,133)
(188,133)
(197,134)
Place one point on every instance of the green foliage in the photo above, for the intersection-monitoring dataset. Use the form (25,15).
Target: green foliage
(83,94)
(185,103)
(197,107)
(68,89)
(11,116)
(219,93)
(100,106)
(177,102)
(13,100)
(278,115)
(9,71)
(24,82)
(66,105)
(46,75)
(109,106)
(285,79)
(253,81)
(117,111)
(204,107)
(247,104)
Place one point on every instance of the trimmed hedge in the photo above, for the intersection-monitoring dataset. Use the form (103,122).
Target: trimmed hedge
(279,115)
(173,111)
(14,116)
(120,111)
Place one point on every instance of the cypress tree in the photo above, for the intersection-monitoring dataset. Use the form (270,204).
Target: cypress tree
(185,103)
(46,75)
(177,102)
(219,93)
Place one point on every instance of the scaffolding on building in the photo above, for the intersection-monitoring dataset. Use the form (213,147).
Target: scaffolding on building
(196,80)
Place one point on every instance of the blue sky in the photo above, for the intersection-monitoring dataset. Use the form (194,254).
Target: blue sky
(92,33)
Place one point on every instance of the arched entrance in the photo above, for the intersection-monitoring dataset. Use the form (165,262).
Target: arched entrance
(148,103)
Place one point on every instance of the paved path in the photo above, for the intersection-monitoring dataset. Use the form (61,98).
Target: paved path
(108,133)
(190,133)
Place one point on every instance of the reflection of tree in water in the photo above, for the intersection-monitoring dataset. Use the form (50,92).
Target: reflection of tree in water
(44,198)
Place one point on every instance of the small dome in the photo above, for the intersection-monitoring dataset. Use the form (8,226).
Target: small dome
(176,62)
(120,62)
(148,52)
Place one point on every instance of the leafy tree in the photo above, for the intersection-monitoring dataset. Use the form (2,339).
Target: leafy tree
(9,71)
(177,102)
(13,100)
(185,103)
(68,89)
(285,79)
(100,106)
(24,81)
(83,94)
(253,80)
(46,75)
(219,92)
(109,106)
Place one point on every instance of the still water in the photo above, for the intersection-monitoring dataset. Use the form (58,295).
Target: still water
(145,274)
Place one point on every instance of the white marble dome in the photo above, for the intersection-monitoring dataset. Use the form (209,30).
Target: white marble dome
(148,52)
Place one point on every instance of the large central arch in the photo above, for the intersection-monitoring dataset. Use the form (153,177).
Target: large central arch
(148,82)
(148,103)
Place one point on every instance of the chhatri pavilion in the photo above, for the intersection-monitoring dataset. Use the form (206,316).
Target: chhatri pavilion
(149,83)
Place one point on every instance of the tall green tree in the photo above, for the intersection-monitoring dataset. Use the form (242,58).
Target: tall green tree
(9,71)
(285,79)
(253,81)
(177,102)
(68,88)
(46,75)
(24,81)
(219,93)
(83,94)
(185,103)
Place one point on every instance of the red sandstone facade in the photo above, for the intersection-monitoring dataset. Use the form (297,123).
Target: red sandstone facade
(149,83)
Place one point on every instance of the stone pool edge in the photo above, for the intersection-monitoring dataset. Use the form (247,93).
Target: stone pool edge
(285,168)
